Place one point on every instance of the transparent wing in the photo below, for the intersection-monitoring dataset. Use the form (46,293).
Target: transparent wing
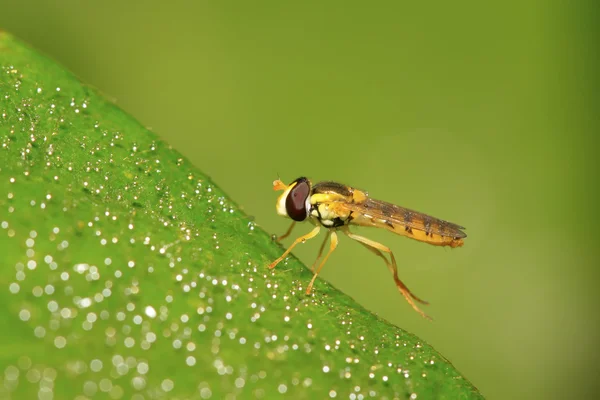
(388,213)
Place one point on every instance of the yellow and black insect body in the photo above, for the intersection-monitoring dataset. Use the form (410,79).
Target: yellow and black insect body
(336,206)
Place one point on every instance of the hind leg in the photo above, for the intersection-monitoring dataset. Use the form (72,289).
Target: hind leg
(378,249)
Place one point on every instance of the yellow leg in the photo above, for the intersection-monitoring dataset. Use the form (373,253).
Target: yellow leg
(332,246)
(301,239)
(286,234)
(378,248)
(320,251)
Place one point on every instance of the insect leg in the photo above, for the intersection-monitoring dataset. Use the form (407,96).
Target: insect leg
(332,246)
(378,248)
(320,251)
(301,239)
(286,234)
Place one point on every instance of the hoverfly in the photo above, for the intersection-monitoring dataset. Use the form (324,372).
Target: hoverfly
(335,206)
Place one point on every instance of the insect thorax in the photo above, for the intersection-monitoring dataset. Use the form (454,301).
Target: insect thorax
(327,217)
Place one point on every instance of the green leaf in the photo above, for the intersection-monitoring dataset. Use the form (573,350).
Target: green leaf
(127,273)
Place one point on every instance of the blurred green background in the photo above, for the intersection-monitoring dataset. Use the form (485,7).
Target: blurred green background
(480,113)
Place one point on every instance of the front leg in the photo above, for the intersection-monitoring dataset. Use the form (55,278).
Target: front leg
(286,234)
(301,239)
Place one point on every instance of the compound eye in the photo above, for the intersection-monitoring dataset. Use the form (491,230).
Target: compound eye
(295,203)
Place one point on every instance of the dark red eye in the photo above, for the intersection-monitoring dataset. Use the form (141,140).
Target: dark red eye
(295,203)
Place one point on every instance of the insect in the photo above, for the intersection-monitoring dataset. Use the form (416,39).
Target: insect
(335,206)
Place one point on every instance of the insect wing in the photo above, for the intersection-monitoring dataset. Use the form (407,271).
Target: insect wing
(392,214)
